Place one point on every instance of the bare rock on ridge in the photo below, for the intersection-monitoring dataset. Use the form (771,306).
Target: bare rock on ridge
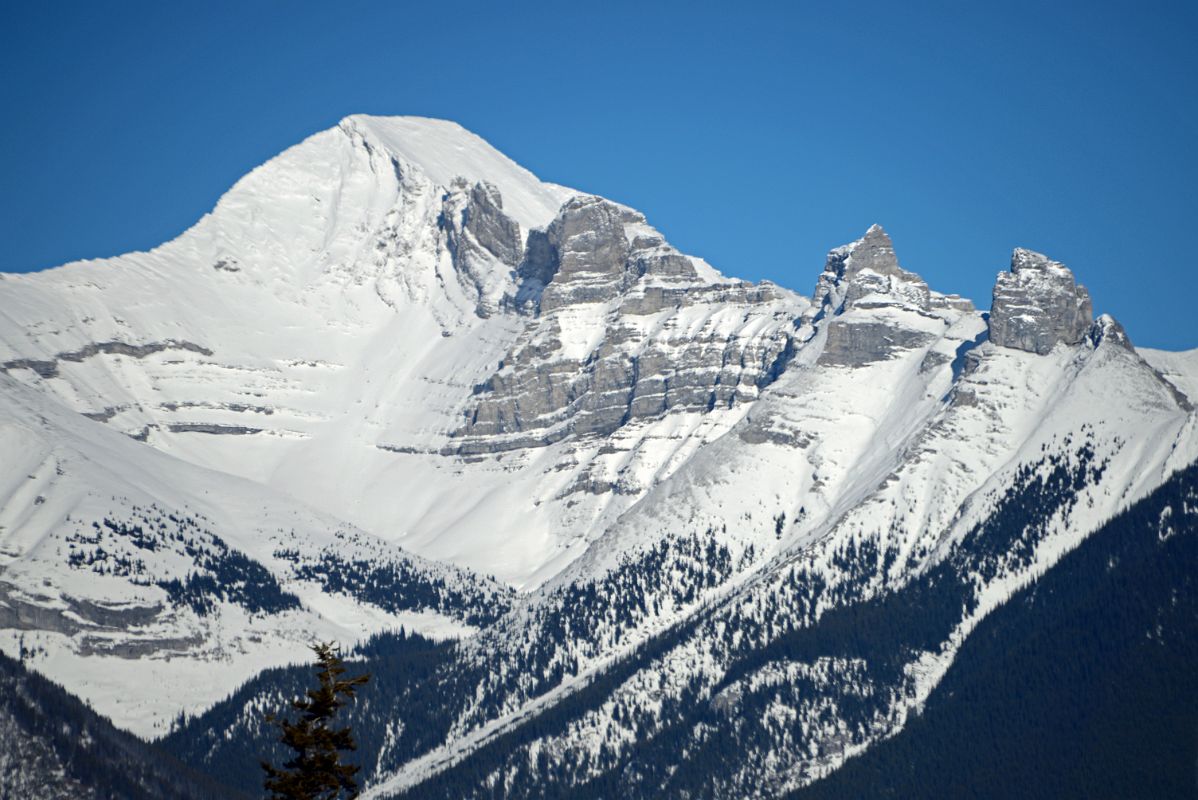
(1038,304)
(863,277)
(868,267)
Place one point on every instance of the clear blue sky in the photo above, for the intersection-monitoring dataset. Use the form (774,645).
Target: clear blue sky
(755,135)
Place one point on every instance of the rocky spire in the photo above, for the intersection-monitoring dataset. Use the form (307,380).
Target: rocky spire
(864,276)
(866,267)
(1038,304)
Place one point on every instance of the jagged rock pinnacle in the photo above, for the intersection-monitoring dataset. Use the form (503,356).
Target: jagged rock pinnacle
(1038,304)
(867,266)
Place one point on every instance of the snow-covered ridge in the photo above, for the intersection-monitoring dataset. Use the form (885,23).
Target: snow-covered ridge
(444,150)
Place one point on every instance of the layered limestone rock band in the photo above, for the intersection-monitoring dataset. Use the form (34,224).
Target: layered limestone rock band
(599,267)
(601,261)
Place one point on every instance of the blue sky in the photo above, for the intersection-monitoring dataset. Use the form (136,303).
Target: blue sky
(756,135)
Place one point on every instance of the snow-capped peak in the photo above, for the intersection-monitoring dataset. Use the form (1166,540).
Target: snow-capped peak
(444,150)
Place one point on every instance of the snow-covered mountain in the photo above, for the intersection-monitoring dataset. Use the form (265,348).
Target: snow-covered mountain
(394,379)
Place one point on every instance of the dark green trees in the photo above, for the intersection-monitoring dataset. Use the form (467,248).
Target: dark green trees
(316,772)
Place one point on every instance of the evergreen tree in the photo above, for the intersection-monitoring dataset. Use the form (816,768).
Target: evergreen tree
(316,772)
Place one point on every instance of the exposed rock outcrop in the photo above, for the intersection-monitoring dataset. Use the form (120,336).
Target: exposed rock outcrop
(49,368)
(853,343)
(205,427)
(485,243)
(595,357)
(589,252)
(863,276)
(21,611)
(494,230)
(1038,304)
(868,270)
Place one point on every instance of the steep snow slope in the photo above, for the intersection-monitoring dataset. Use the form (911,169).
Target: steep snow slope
(445,151)
(151,587)
(1179,369)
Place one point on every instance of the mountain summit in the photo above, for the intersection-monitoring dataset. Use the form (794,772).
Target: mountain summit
(394,380)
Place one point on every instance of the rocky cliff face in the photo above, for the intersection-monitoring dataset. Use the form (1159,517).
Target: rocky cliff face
(625,328)
(485,243)
(873,305)
(1038,304)
(868,269)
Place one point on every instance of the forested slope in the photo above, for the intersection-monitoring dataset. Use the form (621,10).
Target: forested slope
(1084,684)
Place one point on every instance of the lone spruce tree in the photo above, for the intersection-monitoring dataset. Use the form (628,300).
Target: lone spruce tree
(315,772)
